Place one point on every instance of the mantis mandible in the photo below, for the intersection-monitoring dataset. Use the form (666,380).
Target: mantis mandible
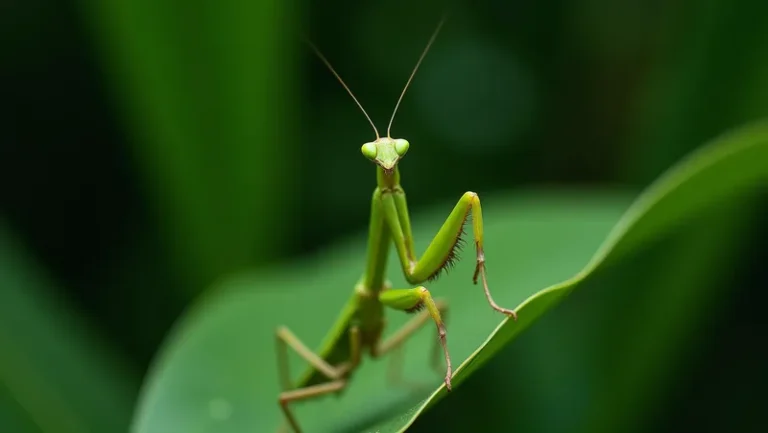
(361,323)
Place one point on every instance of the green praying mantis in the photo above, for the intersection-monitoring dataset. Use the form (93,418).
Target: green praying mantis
(361,323)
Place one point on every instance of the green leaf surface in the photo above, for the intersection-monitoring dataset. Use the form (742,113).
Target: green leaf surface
(217,371)
(56,374)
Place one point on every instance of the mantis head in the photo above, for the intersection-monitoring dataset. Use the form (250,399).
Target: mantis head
(386,152)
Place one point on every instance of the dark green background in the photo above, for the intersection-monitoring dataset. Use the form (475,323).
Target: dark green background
(148,148)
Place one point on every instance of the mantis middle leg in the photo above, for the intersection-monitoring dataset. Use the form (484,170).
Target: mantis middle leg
(412,300)
(394,342)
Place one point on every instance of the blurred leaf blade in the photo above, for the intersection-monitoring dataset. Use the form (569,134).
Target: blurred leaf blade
(206,88)
(231,330)
(59,376)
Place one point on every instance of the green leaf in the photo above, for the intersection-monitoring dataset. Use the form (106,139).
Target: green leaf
(217,371)
(56,374)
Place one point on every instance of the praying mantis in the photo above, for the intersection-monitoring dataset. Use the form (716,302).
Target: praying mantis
(361,323)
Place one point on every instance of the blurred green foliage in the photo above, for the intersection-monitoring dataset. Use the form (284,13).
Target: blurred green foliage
(57,373)
(206,90)
(151,148)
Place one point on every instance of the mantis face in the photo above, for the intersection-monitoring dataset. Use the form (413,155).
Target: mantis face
(386,152)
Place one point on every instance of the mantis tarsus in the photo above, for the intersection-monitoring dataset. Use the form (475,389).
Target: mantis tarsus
(361,323)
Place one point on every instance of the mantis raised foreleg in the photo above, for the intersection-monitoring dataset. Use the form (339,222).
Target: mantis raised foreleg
(441,253)
(360,326)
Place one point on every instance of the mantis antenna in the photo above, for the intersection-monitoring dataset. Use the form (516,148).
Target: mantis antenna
(416,68)
(328,64)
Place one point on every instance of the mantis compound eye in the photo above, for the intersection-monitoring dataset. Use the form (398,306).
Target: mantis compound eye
(369,150)
(401,146)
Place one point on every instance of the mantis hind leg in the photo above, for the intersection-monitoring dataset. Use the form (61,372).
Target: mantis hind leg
(304,394)
(286,338)
(336,374)
(442,251)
